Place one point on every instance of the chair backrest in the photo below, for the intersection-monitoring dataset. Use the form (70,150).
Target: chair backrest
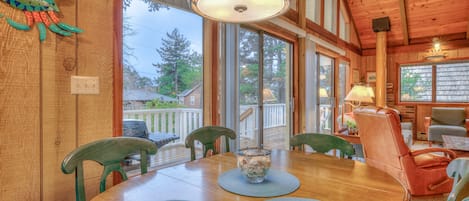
(322,143)
(448,116)
(134,128)
(458,169)
(207,136)
(380,134)
(109,152)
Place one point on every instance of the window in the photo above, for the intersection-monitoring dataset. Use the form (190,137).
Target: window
(330,16)
(344,25)
(313,10)
(441,82)
(264,90)
(192,100)
(162,65)
(452,82)
(416,83)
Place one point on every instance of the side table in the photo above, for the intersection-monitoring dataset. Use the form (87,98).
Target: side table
(355,141)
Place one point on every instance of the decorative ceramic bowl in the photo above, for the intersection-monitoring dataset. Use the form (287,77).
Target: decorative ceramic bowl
(254,164)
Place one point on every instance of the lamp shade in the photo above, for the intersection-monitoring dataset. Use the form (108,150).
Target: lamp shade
(359,94)
(323,93)
(268,95)
(240,11)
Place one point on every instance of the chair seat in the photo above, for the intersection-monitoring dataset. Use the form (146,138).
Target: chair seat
(436,131)
(430,160)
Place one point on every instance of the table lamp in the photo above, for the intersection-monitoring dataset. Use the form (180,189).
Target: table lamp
(359,94)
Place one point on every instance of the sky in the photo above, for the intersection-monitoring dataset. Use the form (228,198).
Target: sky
(150,27)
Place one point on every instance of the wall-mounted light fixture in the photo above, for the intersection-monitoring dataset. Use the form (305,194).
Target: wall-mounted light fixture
(240,11)
(435,52)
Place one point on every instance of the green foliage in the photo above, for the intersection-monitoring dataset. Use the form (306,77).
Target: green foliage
(152,5)
(274,69)
(180,68)
(157,104)
(409,80)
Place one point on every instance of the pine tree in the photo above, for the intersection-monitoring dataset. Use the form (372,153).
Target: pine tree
(178,65)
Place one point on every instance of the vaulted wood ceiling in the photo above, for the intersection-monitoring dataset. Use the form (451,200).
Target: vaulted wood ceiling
(412,21)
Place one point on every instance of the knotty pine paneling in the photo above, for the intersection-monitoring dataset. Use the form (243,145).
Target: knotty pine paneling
(411,112)
(59,106)
(40,121)
(20,133)
(95,58)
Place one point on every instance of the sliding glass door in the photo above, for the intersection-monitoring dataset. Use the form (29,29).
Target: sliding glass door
(325,94)
(264,90)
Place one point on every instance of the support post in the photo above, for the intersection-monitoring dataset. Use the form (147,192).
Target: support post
(381,26)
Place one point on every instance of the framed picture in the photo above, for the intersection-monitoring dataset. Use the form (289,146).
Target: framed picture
(355,76)
(371,77)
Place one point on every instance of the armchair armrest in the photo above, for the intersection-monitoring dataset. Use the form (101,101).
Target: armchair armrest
(448,152)
(427,122)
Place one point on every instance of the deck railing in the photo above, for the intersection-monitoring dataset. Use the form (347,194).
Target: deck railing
(181,121)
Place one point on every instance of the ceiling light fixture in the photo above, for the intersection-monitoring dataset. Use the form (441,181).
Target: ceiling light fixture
(240,11)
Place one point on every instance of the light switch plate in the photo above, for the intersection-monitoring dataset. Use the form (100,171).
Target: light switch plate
(84,85)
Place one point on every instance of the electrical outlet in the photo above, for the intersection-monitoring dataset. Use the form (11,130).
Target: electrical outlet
(84,85)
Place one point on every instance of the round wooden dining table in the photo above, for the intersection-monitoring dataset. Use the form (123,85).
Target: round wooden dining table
(322,177)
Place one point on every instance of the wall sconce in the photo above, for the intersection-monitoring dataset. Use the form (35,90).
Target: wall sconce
(435,53)
(240,11)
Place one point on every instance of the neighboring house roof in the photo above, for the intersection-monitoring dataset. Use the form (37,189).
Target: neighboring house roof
(144,95)
(188,91)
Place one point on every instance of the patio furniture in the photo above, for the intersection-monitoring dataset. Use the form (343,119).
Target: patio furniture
(138,128)
(322,143)
(446,121)
(422,172)
(459,171)
(207,136)
(110,153)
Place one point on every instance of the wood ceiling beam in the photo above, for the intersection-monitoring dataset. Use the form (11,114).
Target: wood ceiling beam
(352,22)
(405,32)
(449,45)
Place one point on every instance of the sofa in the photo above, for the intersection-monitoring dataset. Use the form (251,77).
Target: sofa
(446,121)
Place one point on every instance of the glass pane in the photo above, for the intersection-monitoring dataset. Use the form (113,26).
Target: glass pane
(313,10)
(248,87)
(276,93)
(416,83)
(330,15)
(343,27)
(326,73)
(452,81)
(162,59)
(342,89)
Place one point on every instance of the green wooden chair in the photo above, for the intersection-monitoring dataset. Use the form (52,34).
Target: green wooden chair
(110,153)
(207,136)
(458,169)
(322,143)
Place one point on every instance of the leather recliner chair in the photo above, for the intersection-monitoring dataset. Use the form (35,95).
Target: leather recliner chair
(420,171)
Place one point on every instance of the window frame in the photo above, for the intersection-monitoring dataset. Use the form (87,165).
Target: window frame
(434,72)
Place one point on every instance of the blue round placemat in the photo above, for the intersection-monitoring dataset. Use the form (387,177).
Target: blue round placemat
(291,199)
(276,183)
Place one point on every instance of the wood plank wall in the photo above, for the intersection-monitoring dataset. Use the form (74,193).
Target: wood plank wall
(40,121)
(414,113)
